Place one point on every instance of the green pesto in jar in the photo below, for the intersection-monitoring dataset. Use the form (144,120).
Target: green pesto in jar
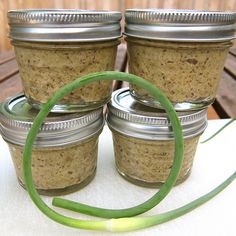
(64,156)
(148,163)
(144,142)
(59,170)
(55,47)
(185,72)
(182,52)
(46,67)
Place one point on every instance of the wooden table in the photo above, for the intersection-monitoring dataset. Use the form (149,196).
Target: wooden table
(223,107)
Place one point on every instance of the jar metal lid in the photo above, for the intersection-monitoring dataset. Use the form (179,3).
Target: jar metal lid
(64,25)
(16,119)
(131,118)
(180,25)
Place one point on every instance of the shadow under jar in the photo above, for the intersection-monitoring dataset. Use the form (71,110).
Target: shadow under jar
(182,52)
(144,141)
(64,156)
(55,47)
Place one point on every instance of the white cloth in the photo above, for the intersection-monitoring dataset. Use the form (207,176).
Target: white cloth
(214,162)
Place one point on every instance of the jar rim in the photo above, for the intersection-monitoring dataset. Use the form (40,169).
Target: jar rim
(180,25)
(17,115)
(128,116)
(64,25)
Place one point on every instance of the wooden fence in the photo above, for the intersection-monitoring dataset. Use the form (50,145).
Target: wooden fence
(5,5)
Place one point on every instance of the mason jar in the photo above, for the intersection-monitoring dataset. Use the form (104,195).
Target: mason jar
(182,52)
(55,47)
(64,155)
(144,141)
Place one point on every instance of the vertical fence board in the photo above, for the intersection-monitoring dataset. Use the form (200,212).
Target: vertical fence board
(229,5)
(59,4)
(155,4)
(4,41)
(109,5)
(137,3)
(14,4)
(200,4)
(215,5)
(90,4)
(186,4)
(70,4)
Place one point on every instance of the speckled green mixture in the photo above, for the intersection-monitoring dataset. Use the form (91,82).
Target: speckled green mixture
(183,71)
(45,67)
(59,167)
(148,163)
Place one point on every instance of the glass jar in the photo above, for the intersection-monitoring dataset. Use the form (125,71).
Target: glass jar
(64,156)
(55,47)
(144,142)
(182,52)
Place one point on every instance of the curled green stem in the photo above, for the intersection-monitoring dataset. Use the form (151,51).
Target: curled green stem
(218,131)
(165,189)
(135,223)
(122,224)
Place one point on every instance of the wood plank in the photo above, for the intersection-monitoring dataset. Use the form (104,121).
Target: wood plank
(90,4)
(59,4)
(220,110)
(4,41)
(215,5)
(186,4)
(155,4)
(10,87)
(8,69)
(212,114)
(200,4)
(226,97)
(229,5)
(230,65)
(232,51)
(136,4)
(6,56)
(109,5)
(121,62)
(121,58)
(71,4)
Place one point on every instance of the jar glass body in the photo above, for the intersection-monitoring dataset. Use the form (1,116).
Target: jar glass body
(187,72)
(59,170)
(46,67)
(148,162)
